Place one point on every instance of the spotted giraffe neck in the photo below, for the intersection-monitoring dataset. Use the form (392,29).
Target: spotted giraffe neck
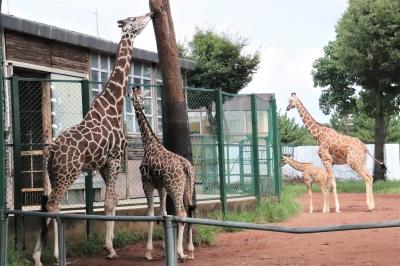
(148,136)
(311,125)
(297,165)
(116,87)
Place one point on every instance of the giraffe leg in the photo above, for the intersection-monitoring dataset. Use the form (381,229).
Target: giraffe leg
(150,212)
(163,209)
(55,251)
(38,248)
(109,172)
(332,181)
(309,190)
(177,198)
(368,184)
(190,246)
(52,206)
(325,193)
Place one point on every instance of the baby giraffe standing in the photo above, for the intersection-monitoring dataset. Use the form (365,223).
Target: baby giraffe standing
(311,174)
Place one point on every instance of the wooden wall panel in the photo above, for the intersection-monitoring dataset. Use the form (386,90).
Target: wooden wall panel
(69,57)
(39,51)
(27,48)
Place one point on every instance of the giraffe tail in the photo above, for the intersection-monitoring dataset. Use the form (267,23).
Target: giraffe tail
(43,222)
(382,164)
(190,190)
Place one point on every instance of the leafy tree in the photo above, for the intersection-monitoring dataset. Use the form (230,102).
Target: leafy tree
(365,53)
(362,125)
(292,133)
(220,64)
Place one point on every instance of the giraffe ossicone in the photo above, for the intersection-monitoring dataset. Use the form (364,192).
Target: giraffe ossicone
(336,148)
(96,143)
(168,173)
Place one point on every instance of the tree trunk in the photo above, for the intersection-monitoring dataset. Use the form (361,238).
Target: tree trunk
(379,135)
(175,121)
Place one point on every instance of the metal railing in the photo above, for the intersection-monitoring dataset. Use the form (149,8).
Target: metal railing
(169,222)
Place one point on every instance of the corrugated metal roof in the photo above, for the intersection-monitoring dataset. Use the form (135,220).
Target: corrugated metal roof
(75,38)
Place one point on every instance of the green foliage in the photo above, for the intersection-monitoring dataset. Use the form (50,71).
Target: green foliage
(291,133)
(122,238)
(15,258)
(221,63)
(363,125)
(90,246)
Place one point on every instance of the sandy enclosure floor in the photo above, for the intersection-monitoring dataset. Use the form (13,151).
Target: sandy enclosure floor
(361,247)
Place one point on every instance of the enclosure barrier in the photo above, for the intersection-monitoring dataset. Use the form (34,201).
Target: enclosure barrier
(169,222)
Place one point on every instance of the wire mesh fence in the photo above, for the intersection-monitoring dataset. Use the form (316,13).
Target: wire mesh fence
(39,109)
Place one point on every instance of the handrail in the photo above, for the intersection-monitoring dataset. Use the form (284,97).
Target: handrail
(167,220)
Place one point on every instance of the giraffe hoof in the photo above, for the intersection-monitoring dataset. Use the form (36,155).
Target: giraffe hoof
(191,255)
(112,256)
(148,255)
(183,258)
(338,211)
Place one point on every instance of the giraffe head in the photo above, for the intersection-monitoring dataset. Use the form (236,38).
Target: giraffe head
(132,26)
(285,159)
(292,101)
(137,95)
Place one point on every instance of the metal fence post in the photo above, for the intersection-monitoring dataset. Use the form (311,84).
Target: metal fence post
(3,184)
(17,162)
(169,236)
(221,149)
(276,153)
(89,195)
(62,260)
(3,236)
(256,159)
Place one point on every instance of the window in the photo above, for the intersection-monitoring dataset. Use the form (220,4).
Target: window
(140,73)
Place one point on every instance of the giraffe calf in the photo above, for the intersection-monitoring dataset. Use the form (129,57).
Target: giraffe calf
(311,174)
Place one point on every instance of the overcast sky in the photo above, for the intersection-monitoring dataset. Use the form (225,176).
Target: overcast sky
(290,34)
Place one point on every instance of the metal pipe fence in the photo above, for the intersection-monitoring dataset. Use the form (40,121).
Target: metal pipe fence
(169,224)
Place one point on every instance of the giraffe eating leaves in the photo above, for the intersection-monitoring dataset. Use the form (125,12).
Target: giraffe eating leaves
(96,143)
(336,148)
(168,173)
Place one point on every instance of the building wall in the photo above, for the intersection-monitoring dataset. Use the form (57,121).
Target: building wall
(39,51)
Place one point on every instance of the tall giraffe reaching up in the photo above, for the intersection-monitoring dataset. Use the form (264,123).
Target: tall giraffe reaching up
(311,174)
(96,143)
(167,172)
(336,148)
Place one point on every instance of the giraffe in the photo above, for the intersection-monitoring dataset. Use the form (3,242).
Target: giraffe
(167,172)
(96,143)
(336,148)
(311,174)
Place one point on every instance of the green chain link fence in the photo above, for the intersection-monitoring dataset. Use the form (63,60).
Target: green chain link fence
(234,141)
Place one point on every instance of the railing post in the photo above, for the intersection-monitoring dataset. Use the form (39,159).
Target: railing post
(17,162)
(89,195)
(256,159)
(62,260)
(221,149)
(169,236)
(275,147)
(3,236)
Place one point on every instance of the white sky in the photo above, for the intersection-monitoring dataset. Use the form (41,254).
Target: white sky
(290,34)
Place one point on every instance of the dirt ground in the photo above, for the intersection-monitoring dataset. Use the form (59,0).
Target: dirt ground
(361,247)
